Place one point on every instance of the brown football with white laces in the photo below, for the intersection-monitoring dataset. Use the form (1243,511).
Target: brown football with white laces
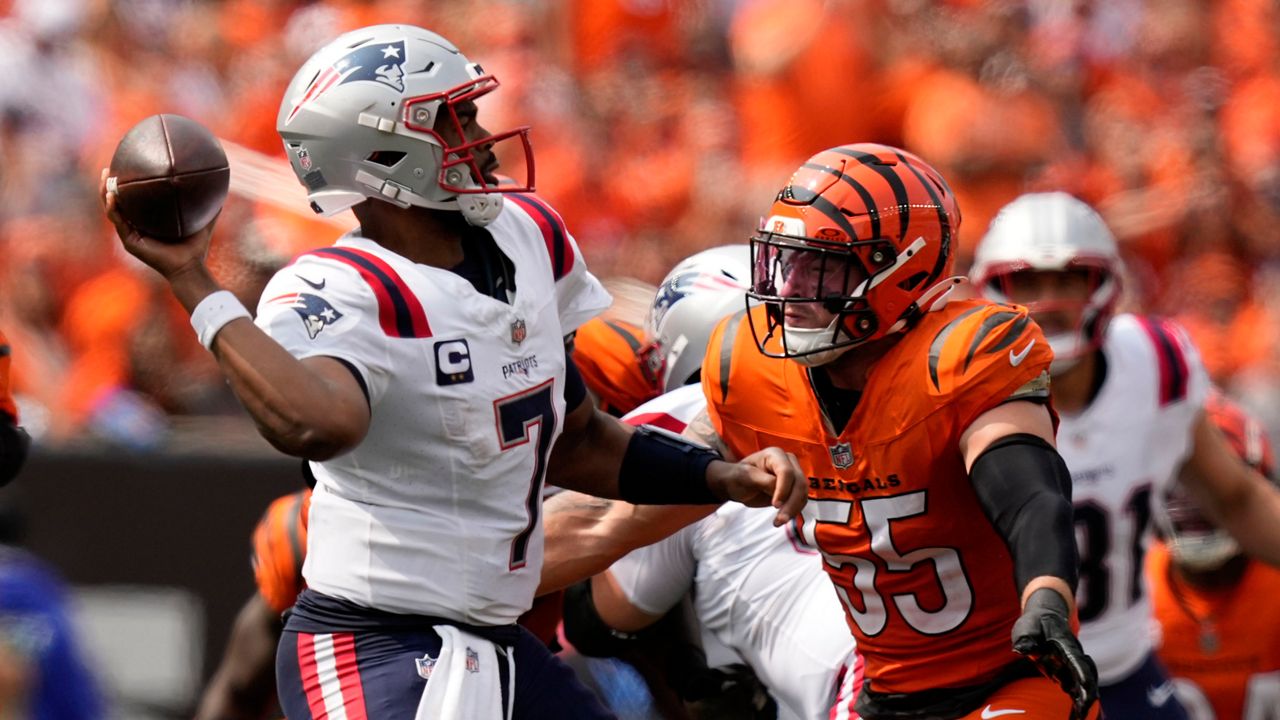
(170,176)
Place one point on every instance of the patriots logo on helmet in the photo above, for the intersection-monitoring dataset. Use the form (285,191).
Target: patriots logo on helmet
(669,294)
(316,313)
(683,284)
(380,62)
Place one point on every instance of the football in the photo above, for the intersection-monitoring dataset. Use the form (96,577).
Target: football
(170,177)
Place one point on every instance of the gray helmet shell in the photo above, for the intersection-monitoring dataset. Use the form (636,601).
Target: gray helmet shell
(357,122)
(697,293)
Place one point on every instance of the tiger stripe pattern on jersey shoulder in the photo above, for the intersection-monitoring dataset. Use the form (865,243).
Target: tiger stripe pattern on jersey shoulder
(981,335)
(720,347)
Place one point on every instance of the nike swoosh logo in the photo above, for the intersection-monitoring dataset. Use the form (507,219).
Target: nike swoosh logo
(1160,694)
(1015,359)
(988,713)
(320,285)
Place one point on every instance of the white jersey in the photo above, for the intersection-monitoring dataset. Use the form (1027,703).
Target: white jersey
(1123,451)
(436,511)
(758,590)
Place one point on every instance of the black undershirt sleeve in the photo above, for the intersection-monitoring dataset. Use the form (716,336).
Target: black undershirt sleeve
(1025,489)
(575,390)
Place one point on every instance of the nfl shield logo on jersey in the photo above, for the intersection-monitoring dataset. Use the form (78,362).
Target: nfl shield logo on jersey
(518,331)
(425,665)
(842,455)
(473,661)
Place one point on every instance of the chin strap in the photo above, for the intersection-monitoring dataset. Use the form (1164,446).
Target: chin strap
(478,209)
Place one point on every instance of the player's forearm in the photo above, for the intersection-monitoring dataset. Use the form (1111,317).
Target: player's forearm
(585,534)
(297,410)
(1253,519)
(1234,495)
(577,544)
(1023,487)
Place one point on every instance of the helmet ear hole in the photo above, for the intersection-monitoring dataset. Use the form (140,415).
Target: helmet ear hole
(386,158)
(914,281)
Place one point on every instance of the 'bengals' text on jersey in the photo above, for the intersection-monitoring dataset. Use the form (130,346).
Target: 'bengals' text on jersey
(926,581)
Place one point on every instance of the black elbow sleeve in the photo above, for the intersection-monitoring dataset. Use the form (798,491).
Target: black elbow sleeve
(585,630)
(1025,489)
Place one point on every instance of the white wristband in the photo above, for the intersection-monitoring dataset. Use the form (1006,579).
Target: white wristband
(213,313)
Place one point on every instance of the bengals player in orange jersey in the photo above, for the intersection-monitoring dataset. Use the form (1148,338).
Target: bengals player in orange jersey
(936,496)
(14,441)
(1219,642)
(244,685)
(609,354)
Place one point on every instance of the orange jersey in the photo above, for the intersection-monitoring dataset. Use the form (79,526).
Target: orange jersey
(926,581)
(7,406)
(279,546)
(1223,649)
(607,352)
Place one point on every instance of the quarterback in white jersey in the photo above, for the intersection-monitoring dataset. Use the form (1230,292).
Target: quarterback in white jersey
(419,365)
(1131,392)
(489,378)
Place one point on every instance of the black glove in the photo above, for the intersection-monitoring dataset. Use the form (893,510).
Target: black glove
(1043,634)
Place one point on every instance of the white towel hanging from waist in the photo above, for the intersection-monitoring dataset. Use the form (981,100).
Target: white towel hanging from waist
(465,680)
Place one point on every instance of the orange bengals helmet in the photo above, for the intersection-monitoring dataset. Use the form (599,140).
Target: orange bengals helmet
(875,225)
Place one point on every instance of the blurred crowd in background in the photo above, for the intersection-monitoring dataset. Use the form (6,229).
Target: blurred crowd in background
(660,127)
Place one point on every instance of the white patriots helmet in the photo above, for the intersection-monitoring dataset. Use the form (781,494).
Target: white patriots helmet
(697,293)
(359,121)
(1053,232)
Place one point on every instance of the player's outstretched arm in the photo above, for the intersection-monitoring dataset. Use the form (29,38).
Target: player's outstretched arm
(1234,495)
(245,682)
(599,455)
(1025,490)
(311,408)
(586,534)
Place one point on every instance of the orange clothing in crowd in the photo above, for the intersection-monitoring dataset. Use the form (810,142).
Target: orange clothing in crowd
(1223,648)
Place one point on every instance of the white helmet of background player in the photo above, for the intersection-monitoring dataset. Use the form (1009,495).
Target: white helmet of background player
(1195,542)
(359,121)
(697,293)
(1053,232)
